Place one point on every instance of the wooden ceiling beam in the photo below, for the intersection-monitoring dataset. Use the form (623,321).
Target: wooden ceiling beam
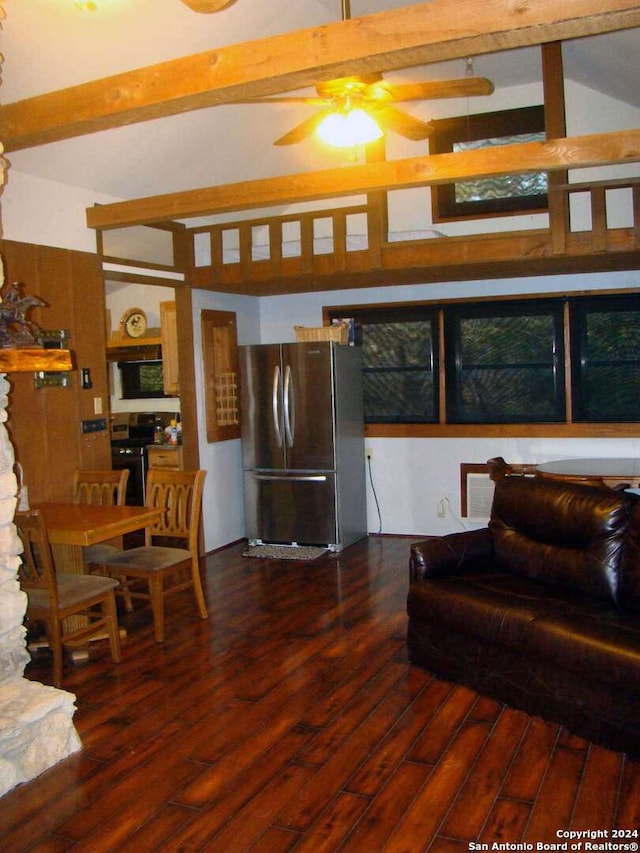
(576,152)
(400,38)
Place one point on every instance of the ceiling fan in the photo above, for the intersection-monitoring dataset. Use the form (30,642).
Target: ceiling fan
(375,96)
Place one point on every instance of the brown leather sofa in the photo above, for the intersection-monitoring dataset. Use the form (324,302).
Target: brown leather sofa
(541,609)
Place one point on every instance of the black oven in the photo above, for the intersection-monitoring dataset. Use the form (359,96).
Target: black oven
(131,434)
(135,459)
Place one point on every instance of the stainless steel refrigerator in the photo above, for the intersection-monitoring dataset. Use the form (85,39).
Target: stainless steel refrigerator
(303,444)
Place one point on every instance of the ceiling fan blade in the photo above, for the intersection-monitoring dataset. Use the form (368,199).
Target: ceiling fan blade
(402,123)
(302,130)
(432,89)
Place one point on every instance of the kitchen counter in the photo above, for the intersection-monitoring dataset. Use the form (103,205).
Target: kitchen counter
(165,456)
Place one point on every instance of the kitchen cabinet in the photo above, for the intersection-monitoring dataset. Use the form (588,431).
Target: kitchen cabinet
(169,337)
(166,457)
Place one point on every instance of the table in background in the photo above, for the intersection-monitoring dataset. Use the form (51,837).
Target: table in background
(609,472)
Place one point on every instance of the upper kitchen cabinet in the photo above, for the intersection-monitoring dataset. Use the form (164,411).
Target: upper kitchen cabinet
(169,337)
(151,341)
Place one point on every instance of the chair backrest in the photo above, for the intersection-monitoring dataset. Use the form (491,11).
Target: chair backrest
(179,493)
(102,488)
(37,569)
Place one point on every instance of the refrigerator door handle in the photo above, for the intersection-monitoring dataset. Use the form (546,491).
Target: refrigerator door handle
(289,407)
(300,478)
(275,408)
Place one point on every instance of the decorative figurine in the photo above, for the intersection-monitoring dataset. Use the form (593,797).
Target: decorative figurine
(15,329)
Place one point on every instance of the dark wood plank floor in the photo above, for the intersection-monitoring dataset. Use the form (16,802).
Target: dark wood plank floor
(291,720)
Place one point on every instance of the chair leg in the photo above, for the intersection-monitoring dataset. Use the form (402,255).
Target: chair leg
(111,616)
(198,591)
(126,596)
(55,644)
(156,591)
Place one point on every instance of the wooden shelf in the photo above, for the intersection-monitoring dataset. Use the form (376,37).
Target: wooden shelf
(31,360)
(120,343)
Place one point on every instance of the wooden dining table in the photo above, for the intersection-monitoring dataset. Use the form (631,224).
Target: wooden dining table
(609,470)
(72,526)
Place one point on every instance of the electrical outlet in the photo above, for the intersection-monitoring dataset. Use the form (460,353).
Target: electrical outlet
(369,453)
(441,508)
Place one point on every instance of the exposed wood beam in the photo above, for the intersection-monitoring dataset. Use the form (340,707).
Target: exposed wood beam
(577,152)
(401,38)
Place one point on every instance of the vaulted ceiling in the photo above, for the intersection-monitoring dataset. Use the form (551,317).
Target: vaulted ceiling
(50,45)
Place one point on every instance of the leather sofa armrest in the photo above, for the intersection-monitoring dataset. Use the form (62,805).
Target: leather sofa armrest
(452,554)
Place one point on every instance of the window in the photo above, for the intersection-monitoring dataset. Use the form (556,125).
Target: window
(400,365)
(504,194)
(606,359)
(504,362)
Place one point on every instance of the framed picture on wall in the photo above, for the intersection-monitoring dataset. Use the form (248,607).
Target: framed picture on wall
(499,196)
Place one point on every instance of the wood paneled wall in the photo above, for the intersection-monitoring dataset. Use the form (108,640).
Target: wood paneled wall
(44,424)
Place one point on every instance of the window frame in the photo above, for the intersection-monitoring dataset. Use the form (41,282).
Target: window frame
(455,367)
(580,362)
(569,428)
(448,132)
(405,314)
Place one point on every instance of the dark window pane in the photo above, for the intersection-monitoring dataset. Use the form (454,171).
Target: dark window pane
(399,365)
(504,363)
(606,358)
(399,395)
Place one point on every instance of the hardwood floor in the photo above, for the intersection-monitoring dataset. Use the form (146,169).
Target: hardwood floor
(291,720)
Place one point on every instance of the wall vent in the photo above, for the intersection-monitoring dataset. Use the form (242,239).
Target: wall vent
(479,496)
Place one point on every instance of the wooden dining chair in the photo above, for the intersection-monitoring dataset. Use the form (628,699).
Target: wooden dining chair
(101,488)
(53,596)
(156,569)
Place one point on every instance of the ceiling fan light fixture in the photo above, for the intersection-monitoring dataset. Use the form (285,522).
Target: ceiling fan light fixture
(348,129)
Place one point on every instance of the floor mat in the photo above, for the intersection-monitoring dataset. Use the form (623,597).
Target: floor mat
(285,552)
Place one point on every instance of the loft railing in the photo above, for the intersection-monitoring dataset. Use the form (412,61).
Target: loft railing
(584,219)
(589,210)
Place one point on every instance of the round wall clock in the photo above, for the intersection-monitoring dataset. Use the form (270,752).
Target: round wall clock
(133,323)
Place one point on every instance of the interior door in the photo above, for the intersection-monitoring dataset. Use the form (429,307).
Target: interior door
(308,406)
(261,383)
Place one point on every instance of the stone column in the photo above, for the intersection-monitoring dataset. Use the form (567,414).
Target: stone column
(36,721)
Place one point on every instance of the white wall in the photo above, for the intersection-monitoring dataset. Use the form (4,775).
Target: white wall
(48,213)
(223,511)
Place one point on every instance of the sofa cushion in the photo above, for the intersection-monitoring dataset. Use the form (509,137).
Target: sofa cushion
(494,607)
(562,534)
(598,643)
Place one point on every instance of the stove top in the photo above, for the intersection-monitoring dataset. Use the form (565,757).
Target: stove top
(135,430)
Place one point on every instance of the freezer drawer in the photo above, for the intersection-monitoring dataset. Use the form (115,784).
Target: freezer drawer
(298,507)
